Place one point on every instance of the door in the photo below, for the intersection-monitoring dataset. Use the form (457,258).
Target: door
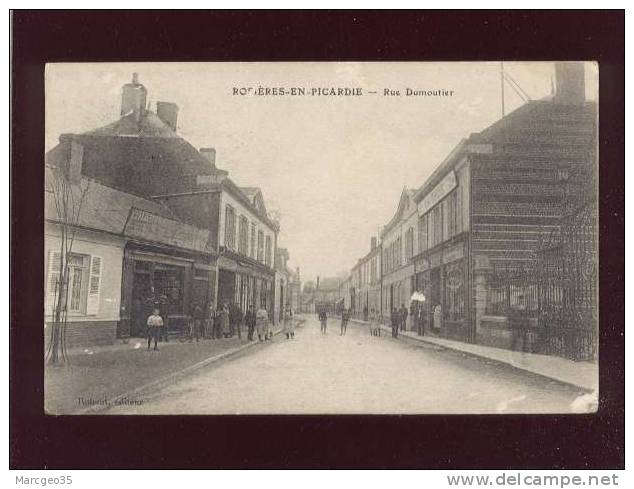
(141,290)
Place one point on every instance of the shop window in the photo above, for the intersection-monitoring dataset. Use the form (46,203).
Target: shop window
(168,287)
(454,308)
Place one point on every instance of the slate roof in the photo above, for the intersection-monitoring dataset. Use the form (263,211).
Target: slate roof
(104,208)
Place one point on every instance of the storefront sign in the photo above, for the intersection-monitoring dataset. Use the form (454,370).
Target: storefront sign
(453,253)
(146,225)
(446,185)
(422,265)
(435,259)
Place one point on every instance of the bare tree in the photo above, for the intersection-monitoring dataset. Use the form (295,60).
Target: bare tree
(68,199)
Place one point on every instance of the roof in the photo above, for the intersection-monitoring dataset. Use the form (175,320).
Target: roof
(250,192)
(406,194)
(149,125)
(104,208)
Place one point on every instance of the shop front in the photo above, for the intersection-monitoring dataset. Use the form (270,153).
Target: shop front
(442,276)
(245,282)
(170,283)
(167,265)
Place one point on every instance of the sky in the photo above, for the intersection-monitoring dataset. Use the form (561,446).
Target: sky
(333,167)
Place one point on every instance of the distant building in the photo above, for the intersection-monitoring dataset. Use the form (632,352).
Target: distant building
(365,283)
(399,240)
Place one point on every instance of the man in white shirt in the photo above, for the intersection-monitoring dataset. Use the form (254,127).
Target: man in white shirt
(154,325)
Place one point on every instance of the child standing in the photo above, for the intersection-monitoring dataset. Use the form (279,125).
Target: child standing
(154,325)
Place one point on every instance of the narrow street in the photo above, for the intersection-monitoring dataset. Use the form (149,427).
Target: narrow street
(356,373)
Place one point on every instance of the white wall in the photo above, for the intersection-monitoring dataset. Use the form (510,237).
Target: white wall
(242,210)
(110,249)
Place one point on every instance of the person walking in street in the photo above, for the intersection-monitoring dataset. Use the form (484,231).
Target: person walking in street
(403,318)
(224,321)
(323,319)
(154,323)
(291,322)
(249,321)
(345,316)
(395,319)
(287,323)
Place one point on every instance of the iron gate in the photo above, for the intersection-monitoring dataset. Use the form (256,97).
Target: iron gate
(567,284)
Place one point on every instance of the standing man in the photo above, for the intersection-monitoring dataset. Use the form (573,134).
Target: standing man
(345,316)
(403,317)
(154,323)
(249,320)
(224,321)
(395,319)
(323,318)
(197,321)
(519,324)
(237,317)
(209,321)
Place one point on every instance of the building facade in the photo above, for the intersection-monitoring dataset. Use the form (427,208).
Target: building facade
(398,242)
(186,233)
(365,294)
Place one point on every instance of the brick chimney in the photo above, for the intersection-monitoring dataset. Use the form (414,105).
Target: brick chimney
(210,154)
(73,163)
(168,113)
(570,87)
(215,176)
(133,98)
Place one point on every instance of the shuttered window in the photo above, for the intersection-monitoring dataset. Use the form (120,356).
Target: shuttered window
(83,283)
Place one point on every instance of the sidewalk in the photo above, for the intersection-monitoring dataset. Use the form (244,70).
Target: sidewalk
(579,374)
(98,376)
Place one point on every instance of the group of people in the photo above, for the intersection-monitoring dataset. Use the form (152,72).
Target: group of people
(212,323)
(398,320)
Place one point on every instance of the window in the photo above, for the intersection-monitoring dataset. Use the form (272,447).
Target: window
(81,294)
(409,244)
(267,259)
(77,282)
(230,227)
(243,236)
(260,246)
(436,225)
(422,233)
(452,214)
(252,247)
(454,309)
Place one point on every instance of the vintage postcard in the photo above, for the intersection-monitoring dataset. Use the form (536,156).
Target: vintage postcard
(321,238)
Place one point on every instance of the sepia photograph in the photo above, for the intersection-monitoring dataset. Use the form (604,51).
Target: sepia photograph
(323,238)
